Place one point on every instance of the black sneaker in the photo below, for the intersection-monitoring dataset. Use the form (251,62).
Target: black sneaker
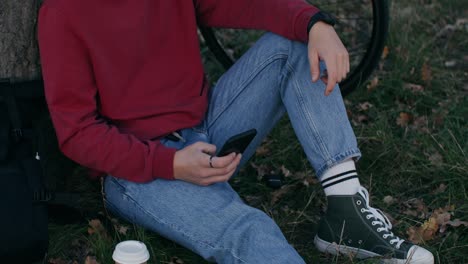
(351,226)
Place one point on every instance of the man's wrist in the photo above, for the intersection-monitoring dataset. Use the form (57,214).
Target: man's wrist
(321,16)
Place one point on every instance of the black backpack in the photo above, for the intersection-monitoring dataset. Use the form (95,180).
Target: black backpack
(31,168)
(23,199)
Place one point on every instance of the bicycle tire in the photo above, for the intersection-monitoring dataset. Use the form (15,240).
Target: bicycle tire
(358,75)
(374,50)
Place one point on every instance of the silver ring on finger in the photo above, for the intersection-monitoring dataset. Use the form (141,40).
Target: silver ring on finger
(211,162)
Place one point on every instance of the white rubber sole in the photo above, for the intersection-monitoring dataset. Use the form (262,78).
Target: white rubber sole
(335,249)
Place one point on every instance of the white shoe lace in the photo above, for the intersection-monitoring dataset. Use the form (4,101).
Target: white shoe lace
(379,219)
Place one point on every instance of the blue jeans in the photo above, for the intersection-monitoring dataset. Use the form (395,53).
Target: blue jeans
(272,78)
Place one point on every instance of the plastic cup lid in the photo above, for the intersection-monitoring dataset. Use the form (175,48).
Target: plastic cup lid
(130,252)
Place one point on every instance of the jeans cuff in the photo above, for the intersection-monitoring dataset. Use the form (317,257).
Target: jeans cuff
(354,153)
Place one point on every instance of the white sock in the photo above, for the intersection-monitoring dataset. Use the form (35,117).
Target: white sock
(341,179)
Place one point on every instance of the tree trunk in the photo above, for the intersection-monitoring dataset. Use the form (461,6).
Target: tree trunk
(19,64)
(19,54)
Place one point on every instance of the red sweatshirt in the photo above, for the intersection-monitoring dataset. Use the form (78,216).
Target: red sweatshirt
(119,74)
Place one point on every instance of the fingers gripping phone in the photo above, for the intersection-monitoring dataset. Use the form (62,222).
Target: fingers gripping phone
(237,143)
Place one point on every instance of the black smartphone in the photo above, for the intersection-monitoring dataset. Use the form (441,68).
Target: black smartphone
(237,143)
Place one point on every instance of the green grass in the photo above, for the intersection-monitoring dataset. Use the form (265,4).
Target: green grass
(405,162)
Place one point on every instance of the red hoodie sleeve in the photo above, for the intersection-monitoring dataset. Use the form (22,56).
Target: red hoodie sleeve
(71,94)
(288,18)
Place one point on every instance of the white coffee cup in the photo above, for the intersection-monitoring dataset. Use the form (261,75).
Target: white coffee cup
(130,252)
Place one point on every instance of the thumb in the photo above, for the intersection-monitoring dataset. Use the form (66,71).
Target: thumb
(314,65)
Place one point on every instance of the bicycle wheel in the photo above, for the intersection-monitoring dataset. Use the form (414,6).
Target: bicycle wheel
(362,26)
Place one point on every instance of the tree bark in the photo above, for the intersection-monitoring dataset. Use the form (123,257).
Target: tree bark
(19,54)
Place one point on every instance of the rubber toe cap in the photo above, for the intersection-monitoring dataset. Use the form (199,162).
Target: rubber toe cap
(419,255)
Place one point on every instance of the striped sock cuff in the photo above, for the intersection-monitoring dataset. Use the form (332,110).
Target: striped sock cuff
(345,176)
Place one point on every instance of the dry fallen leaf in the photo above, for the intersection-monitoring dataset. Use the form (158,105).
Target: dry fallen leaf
(442,187)
(436,159)
(426,72)
(441,216)
(122,229)
(278,194)
(262,150)
(423,233)
(461,22)
(409,212)
(261,169)
(385,52)
(457,223)
(364,106)
(373,84)
(285,171)
(421,124)
(303,175)
(388,200)
(91,260)
(416,208)
(309,179)
(93,225)
(96,227)
(414,235)
(415,88)
(404,119)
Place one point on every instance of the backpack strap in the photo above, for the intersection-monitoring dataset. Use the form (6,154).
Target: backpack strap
(15,120)
(9,92)
(70,199)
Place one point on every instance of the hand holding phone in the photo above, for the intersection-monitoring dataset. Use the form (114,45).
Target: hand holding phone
(195,164)
(237,143)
